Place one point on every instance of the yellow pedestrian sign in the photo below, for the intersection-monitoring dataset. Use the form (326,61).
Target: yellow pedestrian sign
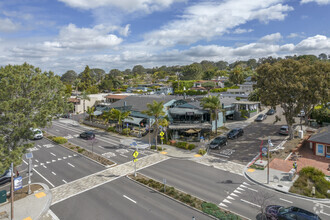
(161,134)
(135,154)
(162,138)
(135,160)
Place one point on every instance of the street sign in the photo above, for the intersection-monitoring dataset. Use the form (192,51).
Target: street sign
(135,160)
(18,183)
(29,155)
(134,144)
(162,138)
(135,154)
(264,151)
(161,134)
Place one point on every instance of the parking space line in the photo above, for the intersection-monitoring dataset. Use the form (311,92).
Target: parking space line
(64,181)
(286,200)
(37,161)
(53,154)
(250,203)
(71,164)
(53,173)
(43,177)
(129,198)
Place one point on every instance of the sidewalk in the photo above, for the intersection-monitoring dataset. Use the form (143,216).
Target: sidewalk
(175,152)
(31,207)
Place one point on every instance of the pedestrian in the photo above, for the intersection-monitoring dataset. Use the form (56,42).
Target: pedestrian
(17,174)
(295,166)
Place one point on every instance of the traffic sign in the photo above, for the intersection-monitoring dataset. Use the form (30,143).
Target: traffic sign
(161,134)
(162,138)
(135,154)
(135,160)
(264,151)
(29,155)
(18,184)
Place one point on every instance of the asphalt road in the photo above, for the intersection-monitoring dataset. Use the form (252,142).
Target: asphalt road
(55,165)
(104,144)
(123,199)
(243,149)
(228,190)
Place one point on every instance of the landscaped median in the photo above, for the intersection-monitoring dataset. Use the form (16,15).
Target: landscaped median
(64,142)
(196,203)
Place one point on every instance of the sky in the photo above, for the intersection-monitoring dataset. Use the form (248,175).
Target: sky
(61,35)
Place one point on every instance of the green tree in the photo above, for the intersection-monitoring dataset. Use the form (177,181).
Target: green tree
(90,112)
(86,79)
(208,85)
(119,116)
(97,74)
(254,96)
(69,77)
(213,104)
(155,109)
(115,73)
(28,98)
(84,96)
(209,74)
(68,89)
(192,72)
(138,70)
(236,76)
(281,84)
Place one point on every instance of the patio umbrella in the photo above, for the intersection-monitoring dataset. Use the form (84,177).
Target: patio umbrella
(191,131)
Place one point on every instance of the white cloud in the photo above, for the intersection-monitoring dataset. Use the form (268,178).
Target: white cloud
(7,25)
(319,2)
(208,20)
(126,5)
(316,43)
(271,38)
(296,35)
(241,31)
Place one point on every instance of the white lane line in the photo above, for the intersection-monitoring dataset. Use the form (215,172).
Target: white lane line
(53,154)
(75,155)
(223,205)
(43,177)
(37,161)
(286,200)
(123,155)
(39,146)
(324,213)
(44,166)
(59,159)
(220,155)
(53,161)
(69,156)
(64,158)
(47,162)
(35,165)
(71,164)
(129,198)
(250,203)
(101,147)
(25,162)
(53,173)
(252,189)
(64,181)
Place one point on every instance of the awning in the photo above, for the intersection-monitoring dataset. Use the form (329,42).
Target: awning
(184,111)
(190,126)
(134,120)
(191,131)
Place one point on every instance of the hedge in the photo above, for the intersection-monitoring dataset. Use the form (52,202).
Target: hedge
(214,210)
(60,140)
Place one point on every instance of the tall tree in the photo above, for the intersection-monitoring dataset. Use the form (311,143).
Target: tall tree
(236,76)
(155,109)
(90,112)
(209,74)
(86,79)
(69,77)
(97,74)
(28,98)
(138,70)
(119,116)
(192,72)
(280,84)
(213,104)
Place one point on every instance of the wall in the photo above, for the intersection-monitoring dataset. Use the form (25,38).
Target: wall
(220,121)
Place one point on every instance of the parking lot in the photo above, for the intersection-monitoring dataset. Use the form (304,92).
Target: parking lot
(245,148)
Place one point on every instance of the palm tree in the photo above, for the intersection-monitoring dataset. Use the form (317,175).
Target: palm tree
(84,96)
(213,104)
(155,109)
(164,123)
(119,116)
(90,112)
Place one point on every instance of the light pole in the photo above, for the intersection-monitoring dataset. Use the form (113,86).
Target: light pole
(269,145)
(12,192)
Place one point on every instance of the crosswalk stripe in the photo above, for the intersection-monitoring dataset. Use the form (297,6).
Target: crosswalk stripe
(243,186)
(236,191)
(233,194)
(227,201)
(252,189)
(246,184)
(239,188)
(223,205)
(229,197)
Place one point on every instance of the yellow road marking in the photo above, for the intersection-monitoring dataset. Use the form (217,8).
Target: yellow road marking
(197,155)
(251,170)
(40,195)
(163,152)
(28,218)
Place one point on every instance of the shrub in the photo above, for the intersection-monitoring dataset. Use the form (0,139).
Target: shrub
(72,148)
(153,147)
(191,146)
(215,211)
(60,140)
(112,129)
(126,130)
(81,150)
(181,145)
(202,151)
(159,148)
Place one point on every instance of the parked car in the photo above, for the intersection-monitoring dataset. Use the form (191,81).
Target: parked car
(271,111)
(88,135)
(301,113)
(218,142)
(284,130)
(261,117)
(5,177)
(235,133)
(280,212)
(37,134)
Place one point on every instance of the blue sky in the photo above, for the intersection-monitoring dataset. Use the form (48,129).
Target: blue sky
(70,34)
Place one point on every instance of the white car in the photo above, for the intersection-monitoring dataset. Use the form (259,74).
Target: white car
(37,134)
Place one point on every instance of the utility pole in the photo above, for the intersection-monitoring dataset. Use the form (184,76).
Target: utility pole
(12,192)
(268,157)
(30,168)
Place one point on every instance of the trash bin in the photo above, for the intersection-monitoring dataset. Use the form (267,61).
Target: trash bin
(301,134)
(3,196)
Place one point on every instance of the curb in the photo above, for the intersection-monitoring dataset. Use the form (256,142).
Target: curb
(163,194)
(48,192)
(284,192)
(82,154)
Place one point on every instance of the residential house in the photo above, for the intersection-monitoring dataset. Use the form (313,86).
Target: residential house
(80,103)
(320,142)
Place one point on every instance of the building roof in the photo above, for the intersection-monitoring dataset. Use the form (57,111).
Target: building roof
(322,135)
(184,111)
(246,102)
(115,96)
(226,101)
(139,103)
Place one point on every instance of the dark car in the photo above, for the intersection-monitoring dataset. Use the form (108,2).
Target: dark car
(271,111)
(261,117)
(88,135)
(218,142)
(279,212)
(235,133)
(5,177)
